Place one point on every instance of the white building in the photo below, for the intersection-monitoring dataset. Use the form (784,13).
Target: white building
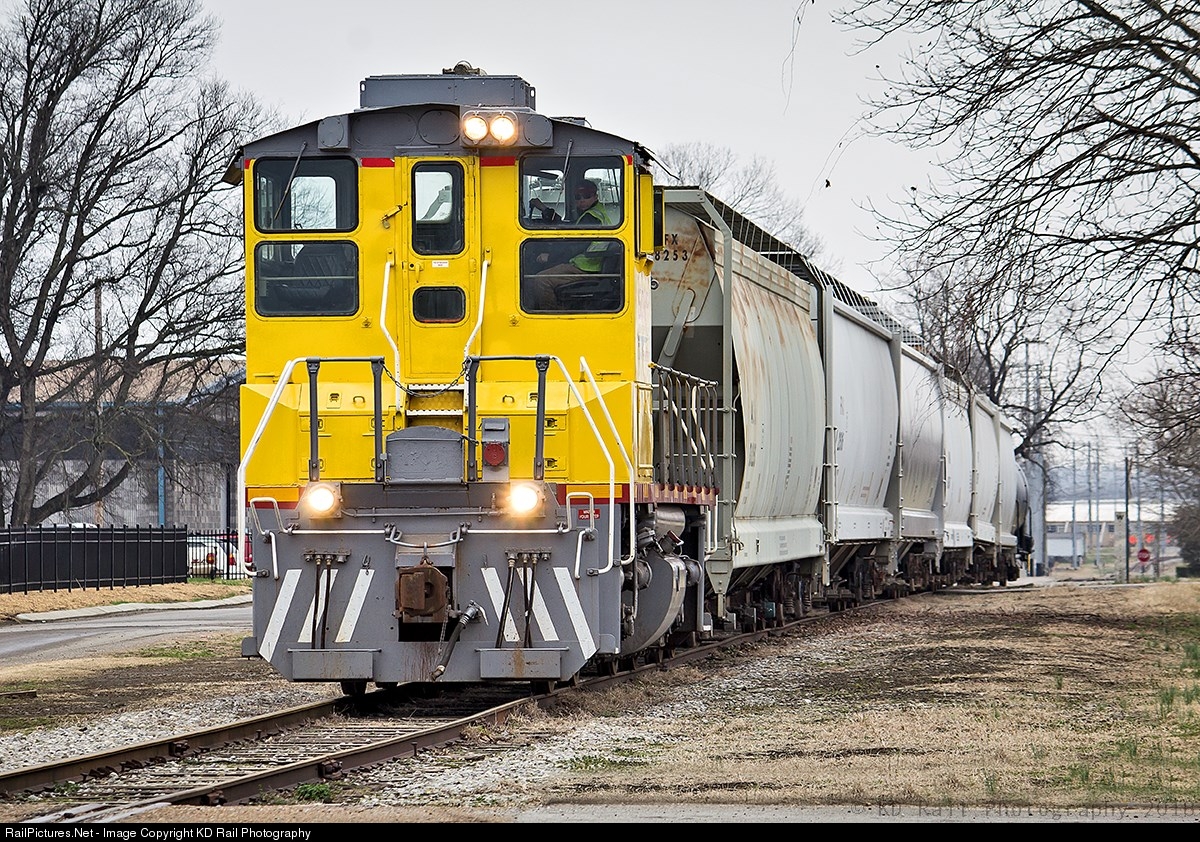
(1075,528)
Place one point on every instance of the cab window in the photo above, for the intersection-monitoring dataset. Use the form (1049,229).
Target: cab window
(554,196)
(306,279)
(305,194)
(439,305)
(572,275)
(437,207)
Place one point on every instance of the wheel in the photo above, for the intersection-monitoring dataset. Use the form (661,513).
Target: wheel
(354,686)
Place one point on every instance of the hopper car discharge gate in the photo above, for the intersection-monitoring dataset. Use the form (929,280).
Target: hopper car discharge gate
(477,592)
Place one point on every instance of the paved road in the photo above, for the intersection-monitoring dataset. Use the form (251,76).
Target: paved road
(85,632)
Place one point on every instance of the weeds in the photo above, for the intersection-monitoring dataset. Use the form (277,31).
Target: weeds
(322,793)
(596,763)
(25,723)
(1166,702)
(178,652)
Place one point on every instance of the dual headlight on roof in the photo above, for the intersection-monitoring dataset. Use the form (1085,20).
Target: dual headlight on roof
(505,127)
(498,127)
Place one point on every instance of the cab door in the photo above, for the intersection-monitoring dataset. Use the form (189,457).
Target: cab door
(439,272)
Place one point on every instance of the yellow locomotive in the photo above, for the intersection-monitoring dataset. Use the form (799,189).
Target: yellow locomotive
(511,411)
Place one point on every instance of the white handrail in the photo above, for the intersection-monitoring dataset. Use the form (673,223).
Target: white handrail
(591,505)
(628,466)
(612,481)
(383,302)
(479,318)
(280,385)
(612,471)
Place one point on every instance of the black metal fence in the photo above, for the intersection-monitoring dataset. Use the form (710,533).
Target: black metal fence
(45,558)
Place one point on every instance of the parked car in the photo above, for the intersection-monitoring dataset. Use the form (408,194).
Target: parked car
(248,554)
(214,558)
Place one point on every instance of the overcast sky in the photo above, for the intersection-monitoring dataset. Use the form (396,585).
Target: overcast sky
(750,76)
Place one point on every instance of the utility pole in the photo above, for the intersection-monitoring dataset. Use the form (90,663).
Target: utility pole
(1160,536)
(1099,516)
(99,386)
(1141,535)
(1074,522)
(1126,517)
(1087,472)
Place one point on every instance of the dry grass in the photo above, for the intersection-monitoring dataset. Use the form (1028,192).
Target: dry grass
(36,601)
(1068,695)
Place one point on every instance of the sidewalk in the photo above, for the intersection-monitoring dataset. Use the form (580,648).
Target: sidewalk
(129,608)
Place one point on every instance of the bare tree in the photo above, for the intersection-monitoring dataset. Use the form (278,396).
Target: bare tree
(119,245)
(1039,371)
(1072,144)
(1163,407)
(749,188)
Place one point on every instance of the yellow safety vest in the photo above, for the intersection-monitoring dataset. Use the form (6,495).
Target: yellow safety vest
(592,258)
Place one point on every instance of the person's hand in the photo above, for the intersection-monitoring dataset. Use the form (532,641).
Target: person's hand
(543,258)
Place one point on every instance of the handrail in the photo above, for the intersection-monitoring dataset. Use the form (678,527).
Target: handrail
(591,505)
(266,533)
(479,318)
(282,383)
(628,466)
(689,424)
(542,361)
(383,302)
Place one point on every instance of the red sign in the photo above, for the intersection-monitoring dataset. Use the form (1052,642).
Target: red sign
(1143,555)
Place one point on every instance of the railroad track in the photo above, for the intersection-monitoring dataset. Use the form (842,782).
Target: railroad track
(318,742)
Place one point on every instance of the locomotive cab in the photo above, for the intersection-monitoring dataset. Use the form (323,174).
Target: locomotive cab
(443,434)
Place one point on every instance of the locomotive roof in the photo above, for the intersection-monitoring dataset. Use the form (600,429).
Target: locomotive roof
(458,85)
(406,113)
(420,128)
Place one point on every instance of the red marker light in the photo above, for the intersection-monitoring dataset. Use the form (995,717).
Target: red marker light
(494,454)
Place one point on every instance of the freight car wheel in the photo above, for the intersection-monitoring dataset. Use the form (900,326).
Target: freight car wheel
(354,686)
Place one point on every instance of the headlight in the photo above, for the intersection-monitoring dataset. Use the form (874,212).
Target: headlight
(489,127)
(475,128)
(524,499)
(322,499)
(504,128)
